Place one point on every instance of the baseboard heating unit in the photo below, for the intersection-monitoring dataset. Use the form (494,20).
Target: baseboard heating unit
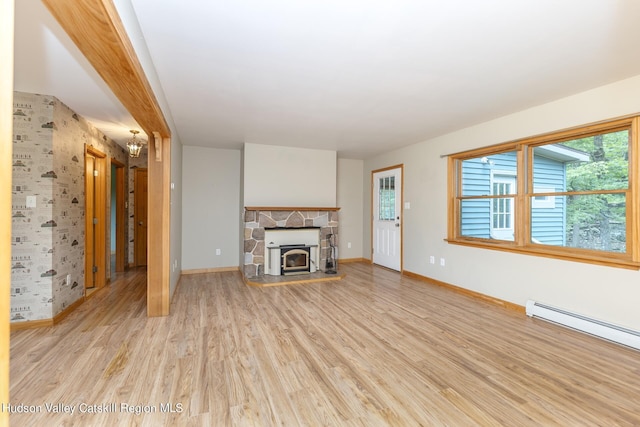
(581,323)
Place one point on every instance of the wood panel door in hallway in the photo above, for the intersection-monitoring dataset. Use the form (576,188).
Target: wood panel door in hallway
(140,217)
(95,178)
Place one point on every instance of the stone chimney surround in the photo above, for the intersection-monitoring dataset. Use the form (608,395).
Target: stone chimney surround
(257,219)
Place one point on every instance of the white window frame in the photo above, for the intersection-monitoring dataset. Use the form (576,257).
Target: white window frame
(503,177)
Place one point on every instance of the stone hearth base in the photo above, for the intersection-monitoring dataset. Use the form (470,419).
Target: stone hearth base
(268,280)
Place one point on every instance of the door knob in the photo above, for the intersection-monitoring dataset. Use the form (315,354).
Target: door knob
(140,223)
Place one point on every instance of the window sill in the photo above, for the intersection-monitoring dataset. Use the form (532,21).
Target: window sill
(576,255)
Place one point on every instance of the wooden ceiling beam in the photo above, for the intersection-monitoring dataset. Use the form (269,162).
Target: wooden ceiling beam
(96,28)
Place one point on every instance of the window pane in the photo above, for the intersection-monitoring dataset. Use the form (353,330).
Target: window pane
(487,218)
(598,162)
(594,221)
(477,173)
(387,198)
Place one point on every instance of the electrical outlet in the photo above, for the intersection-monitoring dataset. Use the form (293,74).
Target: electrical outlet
(218,252)
(349,245)
(441,262)
(432,259)
(68,280)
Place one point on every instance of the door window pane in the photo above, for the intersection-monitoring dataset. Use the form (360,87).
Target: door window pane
(387,198)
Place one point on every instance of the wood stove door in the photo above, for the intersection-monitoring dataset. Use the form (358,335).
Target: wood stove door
(295,260)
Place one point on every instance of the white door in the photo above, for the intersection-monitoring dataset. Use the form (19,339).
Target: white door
(387,218)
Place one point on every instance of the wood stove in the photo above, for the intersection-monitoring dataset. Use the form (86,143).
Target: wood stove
(292,250)
(295,259)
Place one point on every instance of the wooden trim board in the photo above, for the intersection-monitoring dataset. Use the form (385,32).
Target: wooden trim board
(210,270)
(348,260)
(43,323)
(288,208)
(32,324)
(64,313)
(468,292)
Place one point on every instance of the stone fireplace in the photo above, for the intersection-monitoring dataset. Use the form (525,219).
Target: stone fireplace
(259,219)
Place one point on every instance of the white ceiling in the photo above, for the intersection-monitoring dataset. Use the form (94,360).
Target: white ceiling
(357,76)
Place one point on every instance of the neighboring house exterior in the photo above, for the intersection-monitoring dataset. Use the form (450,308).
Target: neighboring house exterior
(496,175)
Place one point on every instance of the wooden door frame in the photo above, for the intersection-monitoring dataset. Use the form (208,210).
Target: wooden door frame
(6,172)
(401,213)
(120,213)
(89,214)
(97,235)
(95,27)
(136,216)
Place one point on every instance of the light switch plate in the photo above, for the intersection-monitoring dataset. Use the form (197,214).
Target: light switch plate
(31,201)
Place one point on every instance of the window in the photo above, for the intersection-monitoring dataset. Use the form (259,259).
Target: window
(571,195)
(387,198)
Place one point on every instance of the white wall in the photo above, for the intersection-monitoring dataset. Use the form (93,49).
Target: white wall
(605,293)
(286,176)
(210,207)
(350,203)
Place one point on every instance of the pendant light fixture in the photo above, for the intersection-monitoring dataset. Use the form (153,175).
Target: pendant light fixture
(134,145)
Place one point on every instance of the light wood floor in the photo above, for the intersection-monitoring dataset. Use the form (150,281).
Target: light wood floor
(372,349)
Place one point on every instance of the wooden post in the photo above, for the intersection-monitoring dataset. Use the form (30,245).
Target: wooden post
(158,242)
(6,145)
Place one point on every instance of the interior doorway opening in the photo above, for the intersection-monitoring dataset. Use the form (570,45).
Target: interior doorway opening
(118,217)
(140,210)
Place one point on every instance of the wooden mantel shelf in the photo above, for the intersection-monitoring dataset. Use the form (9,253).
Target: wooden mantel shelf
(285,208)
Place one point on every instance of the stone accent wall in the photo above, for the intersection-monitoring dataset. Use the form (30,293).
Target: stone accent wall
(255,222)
